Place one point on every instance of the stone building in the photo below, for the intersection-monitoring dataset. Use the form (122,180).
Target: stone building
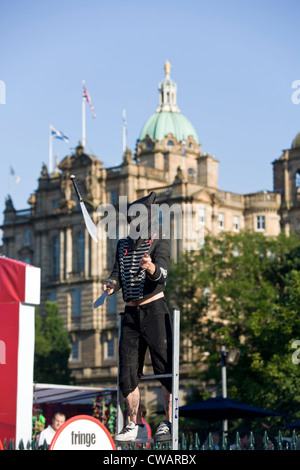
(168,160)
(287,183)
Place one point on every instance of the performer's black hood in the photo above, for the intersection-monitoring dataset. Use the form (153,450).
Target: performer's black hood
(143,220)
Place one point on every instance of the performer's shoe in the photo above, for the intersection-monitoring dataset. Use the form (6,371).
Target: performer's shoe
(131,432)
(164,432)
(128,434)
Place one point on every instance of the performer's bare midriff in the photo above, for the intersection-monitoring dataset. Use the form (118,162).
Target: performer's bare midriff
(137,303)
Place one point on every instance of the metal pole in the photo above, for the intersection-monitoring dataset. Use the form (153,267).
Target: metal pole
(120,416)
(224,383)
(124,131)
(175,378)
(50,151)
(83,123)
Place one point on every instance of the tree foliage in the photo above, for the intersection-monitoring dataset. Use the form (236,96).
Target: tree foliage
(242,291)
(52,348)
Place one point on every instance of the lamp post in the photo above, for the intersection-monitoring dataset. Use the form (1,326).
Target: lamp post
(224,382)
(231,357)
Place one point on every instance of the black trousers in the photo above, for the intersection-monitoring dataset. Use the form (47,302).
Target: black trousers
(145,326)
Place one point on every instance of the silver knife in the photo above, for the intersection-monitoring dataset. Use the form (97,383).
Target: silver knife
(101,299)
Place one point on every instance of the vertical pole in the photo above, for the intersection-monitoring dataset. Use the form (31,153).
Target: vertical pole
(124,130)
(224,383)
(50,151)
(83,123)
(120,417)
(175,378)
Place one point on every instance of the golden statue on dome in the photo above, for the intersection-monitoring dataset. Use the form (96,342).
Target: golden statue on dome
(168,67)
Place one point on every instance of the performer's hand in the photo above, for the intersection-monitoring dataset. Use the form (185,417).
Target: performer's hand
(109,285)
(146,263)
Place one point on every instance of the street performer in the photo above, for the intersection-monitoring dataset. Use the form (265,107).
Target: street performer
(140,270)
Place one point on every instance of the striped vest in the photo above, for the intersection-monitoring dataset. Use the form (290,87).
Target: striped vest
(129,261)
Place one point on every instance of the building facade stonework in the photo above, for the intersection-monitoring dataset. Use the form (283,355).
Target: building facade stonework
(168,159)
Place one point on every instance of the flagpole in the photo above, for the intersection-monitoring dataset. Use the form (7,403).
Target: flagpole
(50,151)
(124,130)
(9,183)
(83,120)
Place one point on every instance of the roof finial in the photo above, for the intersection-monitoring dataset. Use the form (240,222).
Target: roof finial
(167,67)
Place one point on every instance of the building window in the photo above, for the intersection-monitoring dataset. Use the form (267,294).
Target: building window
(55,204)
(75,351)
(297,179)
(221,220)
(201,215)
(114,197)
(52,297)
(236,223)
(149,145)
(79,252)
(110,349)
(76,302)
(260,222)
(160,218)
(55,255)
(111,251)
(27,238)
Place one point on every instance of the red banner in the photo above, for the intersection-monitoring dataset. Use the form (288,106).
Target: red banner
(12,280)
(9,334)
(19,283)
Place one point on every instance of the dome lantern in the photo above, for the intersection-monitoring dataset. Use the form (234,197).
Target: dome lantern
(167,93)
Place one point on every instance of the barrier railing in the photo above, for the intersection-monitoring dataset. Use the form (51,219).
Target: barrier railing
(281,443)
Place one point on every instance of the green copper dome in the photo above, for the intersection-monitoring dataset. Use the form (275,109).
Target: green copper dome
(296,142)
(168,118)
(167,122)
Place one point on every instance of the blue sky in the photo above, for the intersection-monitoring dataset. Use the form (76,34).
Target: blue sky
(234,63)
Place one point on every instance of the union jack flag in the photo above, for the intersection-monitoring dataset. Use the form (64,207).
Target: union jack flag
(87,98)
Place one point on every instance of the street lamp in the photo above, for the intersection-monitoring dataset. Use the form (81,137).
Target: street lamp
(230,356)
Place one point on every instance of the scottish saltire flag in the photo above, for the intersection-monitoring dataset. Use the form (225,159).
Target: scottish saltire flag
(58,134)
(87,98)
(16,177)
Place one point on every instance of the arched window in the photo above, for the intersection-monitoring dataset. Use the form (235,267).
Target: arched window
(297,179)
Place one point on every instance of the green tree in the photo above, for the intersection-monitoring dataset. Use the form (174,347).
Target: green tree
(242,291)
(52,348)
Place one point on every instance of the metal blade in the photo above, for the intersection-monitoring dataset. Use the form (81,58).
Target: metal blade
(92,229)
(100,300)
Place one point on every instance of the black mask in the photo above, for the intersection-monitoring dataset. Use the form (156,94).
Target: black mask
(142,215)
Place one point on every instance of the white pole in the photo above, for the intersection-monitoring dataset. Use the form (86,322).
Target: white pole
(124,130)
(224,383)
(50,151)
(83,123)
